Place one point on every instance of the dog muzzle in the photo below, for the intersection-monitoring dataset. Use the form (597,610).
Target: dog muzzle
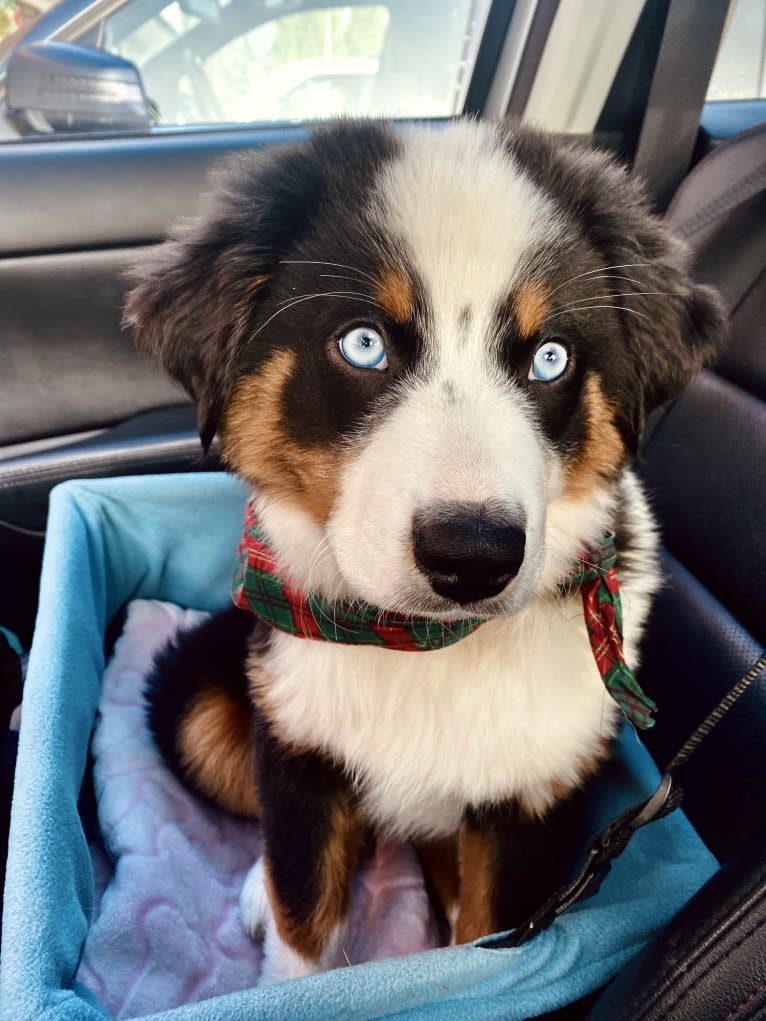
(258,586)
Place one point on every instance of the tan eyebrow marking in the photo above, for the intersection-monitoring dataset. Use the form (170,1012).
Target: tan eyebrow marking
(394,292)
(531,305)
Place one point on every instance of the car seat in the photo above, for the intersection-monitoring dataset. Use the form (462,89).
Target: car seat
(704,464)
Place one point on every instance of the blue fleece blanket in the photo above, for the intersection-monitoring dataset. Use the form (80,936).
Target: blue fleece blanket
(173,538)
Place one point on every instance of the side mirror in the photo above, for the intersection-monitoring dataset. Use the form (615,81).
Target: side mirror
(53,86)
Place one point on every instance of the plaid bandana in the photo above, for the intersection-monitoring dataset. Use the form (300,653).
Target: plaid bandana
(259,588)
(599,588)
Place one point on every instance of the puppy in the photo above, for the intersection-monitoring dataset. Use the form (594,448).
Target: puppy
(431,354)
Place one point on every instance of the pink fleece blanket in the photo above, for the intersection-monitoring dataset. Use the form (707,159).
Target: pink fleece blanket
(165,929)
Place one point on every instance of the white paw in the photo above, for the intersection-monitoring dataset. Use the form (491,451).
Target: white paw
(280,961)
(254,908)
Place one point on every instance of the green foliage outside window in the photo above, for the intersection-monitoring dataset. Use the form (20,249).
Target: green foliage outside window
(338,32)
(245,65)
(7,17)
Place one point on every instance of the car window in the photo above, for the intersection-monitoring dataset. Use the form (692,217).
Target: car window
(307,65)
(206,62)
(300,66)
(740,69)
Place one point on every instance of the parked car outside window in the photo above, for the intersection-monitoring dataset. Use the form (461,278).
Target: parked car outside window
(209,62)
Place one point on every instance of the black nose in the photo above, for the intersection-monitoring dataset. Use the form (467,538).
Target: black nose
(468,551)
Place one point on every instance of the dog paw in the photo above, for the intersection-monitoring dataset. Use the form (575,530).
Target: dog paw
(280,960)
(254,907)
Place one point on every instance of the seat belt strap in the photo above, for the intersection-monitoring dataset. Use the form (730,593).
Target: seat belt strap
(671,122)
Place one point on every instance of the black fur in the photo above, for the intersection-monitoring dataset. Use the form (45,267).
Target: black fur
(531,858)
(298,793)
(212,654)
(674,328)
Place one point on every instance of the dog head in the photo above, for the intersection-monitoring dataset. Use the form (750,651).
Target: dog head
(429,352)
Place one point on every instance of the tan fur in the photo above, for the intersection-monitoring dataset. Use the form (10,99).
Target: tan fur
(439,859)
(309,936)
(215,743)
(603,451)
(256,448)
(531,305)
(257,282)
(477,858)
(395,294)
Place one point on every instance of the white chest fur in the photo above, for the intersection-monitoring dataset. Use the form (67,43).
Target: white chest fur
(508,711)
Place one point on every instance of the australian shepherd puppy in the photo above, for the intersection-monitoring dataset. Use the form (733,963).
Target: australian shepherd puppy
(431,354)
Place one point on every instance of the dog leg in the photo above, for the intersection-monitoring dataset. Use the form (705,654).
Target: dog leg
(439,861)
(280,961)
(254,907)
(311,834)
(511,862)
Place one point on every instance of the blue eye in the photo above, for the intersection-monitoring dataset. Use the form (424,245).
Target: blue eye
(364,348)
(549,362)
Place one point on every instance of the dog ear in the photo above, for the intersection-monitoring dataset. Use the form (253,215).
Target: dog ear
(195,298)
(682,335)
(673,326)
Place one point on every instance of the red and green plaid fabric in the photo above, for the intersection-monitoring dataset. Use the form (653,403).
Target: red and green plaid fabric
(259,588)
(599,587)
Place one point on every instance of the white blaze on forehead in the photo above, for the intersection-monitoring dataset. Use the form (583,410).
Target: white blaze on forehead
(466,220)
(466,214)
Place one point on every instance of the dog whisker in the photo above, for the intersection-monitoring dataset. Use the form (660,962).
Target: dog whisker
(578,558)
(560,536)
(321,294)
(585,308)
(620,294)
(334,621)
(603,278)
(595,272)
(361,274)
(610,276)
(321,555)
(338,276)
(325,294)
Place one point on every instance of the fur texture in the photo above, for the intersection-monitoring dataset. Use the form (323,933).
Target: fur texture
(465,251)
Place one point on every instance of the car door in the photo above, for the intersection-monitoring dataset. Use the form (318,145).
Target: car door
(78,207)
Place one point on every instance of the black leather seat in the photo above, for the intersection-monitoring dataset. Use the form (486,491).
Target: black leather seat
(705,466)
